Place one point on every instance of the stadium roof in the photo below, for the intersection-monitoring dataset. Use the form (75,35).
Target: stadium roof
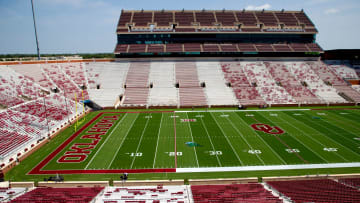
(200,21)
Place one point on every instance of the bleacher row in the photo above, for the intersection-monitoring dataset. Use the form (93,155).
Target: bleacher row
(59,195)
(226,19)
(215,47)
(233,193)
(318,190)
(36,101)
(154,83)
(223,83)
(144,194)
(213,29)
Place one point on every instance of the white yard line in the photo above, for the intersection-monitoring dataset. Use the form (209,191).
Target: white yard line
(202,122)
(309,148)
(281,159)
(142,134)
(192,138)
(353,113)
(113,130)
(227,140)
(331,139)
(269,167)
(311,137)
(243,137)
(242,110)
(157,143)
(336,117)
(343,130)
(123,141)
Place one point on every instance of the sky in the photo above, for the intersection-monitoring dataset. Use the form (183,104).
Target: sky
(89,26)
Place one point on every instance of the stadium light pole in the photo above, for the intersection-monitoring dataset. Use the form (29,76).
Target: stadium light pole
(36,37)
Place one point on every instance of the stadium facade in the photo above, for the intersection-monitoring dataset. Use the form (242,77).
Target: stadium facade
(215,33)
(215,40)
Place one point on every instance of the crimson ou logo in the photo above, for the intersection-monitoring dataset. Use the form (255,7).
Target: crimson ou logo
(267,129)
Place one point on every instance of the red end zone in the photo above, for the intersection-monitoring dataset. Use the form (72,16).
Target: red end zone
(37,169)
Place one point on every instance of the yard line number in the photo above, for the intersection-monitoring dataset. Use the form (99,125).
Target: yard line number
(254,151)
(213,153)
(173,153)
(330,149)
(132,154)
(292,150)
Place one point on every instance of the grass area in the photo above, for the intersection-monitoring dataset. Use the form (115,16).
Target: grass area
(204,139)
(308,107)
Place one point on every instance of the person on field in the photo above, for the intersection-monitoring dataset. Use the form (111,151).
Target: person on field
(124,177)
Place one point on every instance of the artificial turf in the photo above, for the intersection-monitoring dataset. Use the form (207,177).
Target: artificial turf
(154,140)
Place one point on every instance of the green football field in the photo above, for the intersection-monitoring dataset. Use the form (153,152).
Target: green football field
(114,141)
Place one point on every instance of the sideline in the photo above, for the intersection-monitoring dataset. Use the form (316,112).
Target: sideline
(244,110)
(269,167)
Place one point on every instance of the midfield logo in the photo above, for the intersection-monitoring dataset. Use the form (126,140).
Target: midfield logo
(267,129)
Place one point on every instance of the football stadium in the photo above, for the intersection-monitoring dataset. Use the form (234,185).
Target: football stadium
(196,106)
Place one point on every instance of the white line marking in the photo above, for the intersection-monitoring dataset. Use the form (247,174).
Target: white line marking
(142,134)
(276,154)
(117,151)
(227,140)
(267,168)
(336,125)
(310,136)
(210,141)
(242,110)
(330,138)
(157,143)
(117,125)
(344,122)
(192,139)
(349,139)
(243,137)
(309,148)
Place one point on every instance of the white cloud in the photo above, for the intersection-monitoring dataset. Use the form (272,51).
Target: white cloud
(331,11)
(261,7)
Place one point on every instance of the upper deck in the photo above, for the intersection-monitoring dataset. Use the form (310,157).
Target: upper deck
(210,21)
